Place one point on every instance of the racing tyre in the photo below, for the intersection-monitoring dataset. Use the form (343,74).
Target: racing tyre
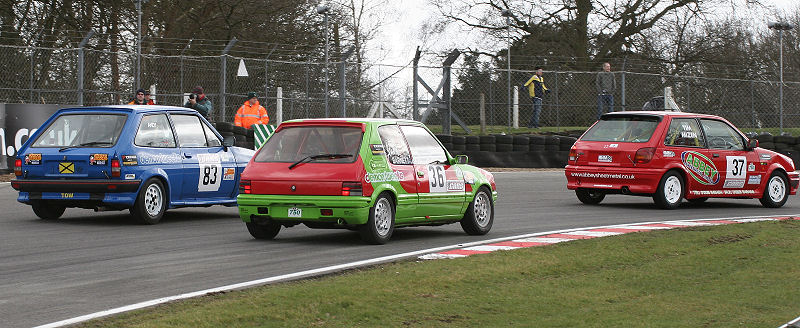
(480,214)
(698,200)
(151,203)
(776,192)
(46,211)
(263,231)
(380,225)
(590,197)
(670,191)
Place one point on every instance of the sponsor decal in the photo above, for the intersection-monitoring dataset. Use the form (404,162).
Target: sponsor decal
(733,184)
(754,179)
(372,177)
(751,167)
(602,175)
(455,185)
(668,153)
(230,173)
(33,159)
(129,160)
(722,192)
(765,157)
(130,176)
(67,195)
(98,159)
(377,149)
(210,172)
(66,167)
(604,158)
(611,146)
(469,177)
(700,167)
(150,159)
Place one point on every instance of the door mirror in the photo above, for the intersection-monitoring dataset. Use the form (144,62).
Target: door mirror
(462,159)
(752,144)
(228,141)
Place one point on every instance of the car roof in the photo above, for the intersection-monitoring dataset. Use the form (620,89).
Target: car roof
(354,120)
(661,114)
(130,108)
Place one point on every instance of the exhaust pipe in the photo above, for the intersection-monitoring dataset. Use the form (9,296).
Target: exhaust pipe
(626,190)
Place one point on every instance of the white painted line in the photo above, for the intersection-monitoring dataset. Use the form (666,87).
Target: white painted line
(642,227)
(489,248)
(690,223)
(440,256)
(431,252)
(593,233)
(542,240)
(753,220)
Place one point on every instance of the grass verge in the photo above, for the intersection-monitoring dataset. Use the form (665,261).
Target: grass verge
(722,276)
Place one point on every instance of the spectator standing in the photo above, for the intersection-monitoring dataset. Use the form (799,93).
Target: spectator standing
(251,112)
(537,90)
(606,86)
(139,98)
(147,98)
(199,102)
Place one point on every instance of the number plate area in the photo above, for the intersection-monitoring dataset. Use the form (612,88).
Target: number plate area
(295,212)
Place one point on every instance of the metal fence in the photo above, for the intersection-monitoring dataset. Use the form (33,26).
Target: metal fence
(44,75)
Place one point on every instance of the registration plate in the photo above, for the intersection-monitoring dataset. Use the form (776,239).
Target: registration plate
(604,158)
(295,212)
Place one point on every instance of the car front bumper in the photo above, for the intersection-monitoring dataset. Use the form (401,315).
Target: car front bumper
(350,210)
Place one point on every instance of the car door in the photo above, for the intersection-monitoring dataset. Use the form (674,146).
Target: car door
(204,162)
(440,185)
(684,144)
(399,168)
(155,146)
(726,148)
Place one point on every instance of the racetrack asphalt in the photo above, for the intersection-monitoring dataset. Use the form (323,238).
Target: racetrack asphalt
(89,262)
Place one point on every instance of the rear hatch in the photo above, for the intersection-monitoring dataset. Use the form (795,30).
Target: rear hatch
(616,141)
(78,146)
(319,159)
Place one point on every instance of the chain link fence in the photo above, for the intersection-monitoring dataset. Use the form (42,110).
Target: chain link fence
(44,75)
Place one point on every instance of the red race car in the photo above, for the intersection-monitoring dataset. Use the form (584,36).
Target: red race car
(673,155)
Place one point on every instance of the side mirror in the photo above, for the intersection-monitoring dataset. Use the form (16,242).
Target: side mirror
(462,159)
(228,141)
(752,144)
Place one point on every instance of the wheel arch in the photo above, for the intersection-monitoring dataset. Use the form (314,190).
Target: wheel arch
(161,176)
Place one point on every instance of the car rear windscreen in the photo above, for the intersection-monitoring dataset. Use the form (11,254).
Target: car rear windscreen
(82,130)
(622,129)
(291,144)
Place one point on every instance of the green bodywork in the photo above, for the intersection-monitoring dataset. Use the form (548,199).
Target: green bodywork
(410,208)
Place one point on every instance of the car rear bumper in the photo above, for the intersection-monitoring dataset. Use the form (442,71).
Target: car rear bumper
(625,180)
(350,210)
(79,186)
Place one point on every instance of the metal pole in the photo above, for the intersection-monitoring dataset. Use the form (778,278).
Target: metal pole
(327,42)
(342,89)
(223,77)
(30,84)
(508,86)
(780,95)
(624,61)
(415,89)
(138,43)
(80,66)
(182,51)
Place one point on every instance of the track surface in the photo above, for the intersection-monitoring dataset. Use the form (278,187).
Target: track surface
(88,262)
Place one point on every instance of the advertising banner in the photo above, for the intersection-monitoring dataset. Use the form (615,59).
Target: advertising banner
(17,123)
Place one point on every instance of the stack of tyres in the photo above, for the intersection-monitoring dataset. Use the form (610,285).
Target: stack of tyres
(552,143)
(251,138)
(521,143)
(472,143)
(488,143)
(446,140)
(787,145)
(566,143)
(765,140)
(225,129)
(459,143)
(537,143)
(504,142)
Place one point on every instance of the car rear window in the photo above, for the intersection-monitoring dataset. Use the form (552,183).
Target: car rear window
(622,129)
(291,144)
(82,130)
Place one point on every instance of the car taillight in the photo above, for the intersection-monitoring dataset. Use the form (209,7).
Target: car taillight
(244,187)
(18,167)
(644,155)
(115,168)
(351,189)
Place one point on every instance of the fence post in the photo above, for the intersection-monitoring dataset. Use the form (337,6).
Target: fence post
(80,66)
(482,111)
(30,85)
(515,107)
(624,61)
(188,44)
(279,106)
(223,76)
(752,104)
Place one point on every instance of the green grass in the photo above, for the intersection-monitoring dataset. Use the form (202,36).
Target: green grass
(742,275)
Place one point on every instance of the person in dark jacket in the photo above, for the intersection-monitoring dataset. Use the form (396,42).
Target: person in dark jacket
(199,102)
(537,90)
(139,98)
(606,86)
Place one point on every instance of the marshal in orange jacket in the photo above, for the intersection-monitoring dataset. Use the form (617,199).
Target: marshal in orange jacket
(248,115)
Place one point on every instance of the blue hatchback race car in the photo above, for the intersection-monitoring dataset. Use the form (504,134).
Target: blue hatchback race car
(142,158)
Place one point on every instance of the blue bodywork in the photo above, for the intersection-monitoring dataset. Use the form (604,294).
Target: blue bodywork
(83,176)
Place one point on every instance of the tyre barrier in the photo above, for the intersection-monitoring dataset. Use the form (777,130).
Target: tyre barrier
(500,150)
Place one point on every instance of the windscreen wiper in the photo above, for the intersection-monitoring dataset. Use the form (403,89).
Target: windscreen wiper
(315,157)
(86,144)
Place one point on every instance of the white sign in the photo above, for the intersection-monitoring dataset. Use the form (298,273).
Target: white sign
(210,172)
(437,180)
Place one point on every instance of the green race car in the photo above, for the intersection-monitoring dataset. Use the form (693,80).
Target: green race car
(369,175)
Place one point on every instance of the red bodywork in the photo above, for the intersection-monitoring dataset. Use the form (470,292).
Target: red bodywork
(637,167)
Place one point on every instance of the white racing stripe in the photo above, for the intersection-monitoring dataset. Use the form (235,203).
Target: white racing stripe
(432,253)
(593,233)
(489,248)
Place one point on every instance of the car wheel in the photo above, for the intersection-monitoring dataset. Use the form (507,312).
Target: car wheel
(776,192)
(480,214)
(47,211)
(588,196)
(380,225)
(698,200)
(670,191)
(263,231)
(151,203)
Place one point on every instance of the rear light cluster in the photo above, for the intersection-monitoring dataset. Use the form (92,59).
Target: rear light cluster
(351,189)
(115,168)
(644,155)
(18,167)
(244,187)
